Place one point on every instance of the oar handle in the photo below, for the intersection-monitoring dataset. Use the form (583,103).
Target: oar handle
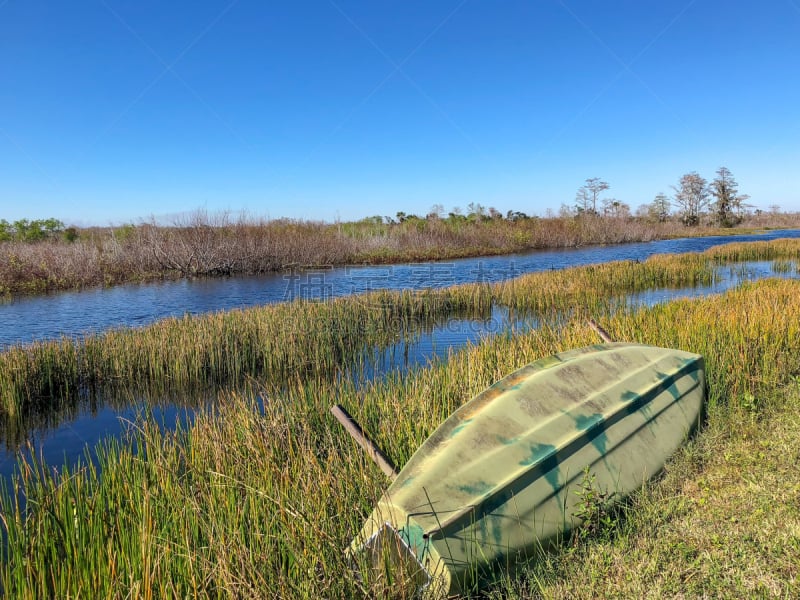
(354,429)
(600,331)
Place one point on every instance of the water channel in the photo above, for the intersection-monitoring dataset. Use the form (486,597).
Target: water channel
(76,313)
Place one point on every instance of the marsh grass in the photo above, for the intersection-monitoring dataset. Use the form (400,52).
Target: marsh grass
(784,266)
(306,337)
(260,495)
(276,341)
(723,521)
(200,244)
(228,507)
(602,284)
(265,495)
(755,251)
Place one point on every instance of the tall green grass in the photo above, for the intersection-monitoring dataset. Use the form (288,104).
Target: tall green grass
(278,342)
(259,498)
(749,251)
(603,284)
(264,495)
(193,355)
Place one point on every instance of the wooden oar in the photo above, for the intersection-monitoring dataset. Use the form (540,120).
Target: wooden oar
(354,429)
(600,331)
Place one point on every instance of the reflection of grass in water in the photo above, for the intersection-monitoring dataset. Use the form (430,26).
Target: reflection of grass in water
(784,266)
(186,358)
(179,353)
(741,272)
(264,497)
(311,339)
(16,429)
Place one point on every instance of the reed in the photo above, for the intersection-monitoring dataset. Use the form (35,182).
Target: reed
(750,251)
(277,342)
(282,341)
(264,491)
(603,283)
(782,265)
(200,244)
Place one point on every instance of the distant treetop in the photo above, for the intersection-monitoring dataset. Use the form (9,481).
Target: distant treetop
(24,230)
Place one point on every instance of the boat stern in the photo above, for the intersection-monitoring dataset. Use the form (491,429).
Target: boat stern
(398,557)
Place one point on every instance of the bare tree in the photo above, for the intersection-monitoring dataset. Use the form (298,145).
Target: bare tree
(565,211)
(436,212)
(495,214)
(658,209)
(661,207)
(195,244)
(476,210)
(456,214)
(615,208)
(583,201)
(691,196)
(589,193)
(740,207)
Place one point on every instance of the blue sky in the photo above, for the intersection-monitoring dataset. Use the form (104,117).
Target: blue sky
(113,111)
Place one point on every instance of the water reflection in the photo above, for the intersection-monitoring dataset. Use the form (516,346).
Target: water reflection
(438,341)
(59,429)
(61,433)
(73,314)
(726,277)
(62,437)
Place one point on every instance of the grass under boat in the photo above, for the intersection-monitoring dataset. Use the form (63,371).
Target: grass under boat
(496,481)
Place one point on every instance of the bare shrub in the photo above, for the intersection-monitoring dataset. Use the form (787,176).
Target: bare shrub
(199,244)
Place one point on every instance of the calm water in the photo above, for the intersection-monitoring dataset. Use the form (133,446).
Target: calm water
(73,314)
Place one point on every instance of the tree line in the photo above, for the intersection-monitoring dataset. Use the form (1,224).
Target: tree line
(24,230)
(717,203)
(694,198)
(203,245)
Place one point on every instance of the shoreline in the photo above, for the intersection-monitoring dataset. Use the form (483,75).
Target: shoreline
(146,254)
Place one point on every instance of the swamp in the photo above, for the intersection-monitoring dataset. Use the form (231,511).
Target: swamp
(258,491)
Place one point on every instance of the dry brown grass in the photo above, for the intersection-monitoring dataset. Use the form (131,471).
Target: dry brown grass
(203,245)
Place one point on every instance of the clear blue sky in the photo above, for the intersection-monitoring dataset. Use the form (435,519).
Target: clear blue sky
(114,110)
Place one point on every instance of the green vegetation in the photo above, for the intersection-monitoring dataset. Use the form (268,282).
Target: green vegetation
(34,231)
(265,491)
(281,342)
(723,522)
(305,338)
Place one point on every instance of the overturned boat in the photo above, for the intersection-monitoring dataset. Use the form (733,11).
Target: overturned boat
(495,482)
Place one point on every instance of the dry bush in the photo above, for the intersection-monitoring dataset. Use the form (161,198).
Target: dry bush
(199,244)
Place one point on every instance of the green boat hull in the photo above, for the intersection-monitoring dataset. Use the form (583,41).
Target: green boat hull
(495,481)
